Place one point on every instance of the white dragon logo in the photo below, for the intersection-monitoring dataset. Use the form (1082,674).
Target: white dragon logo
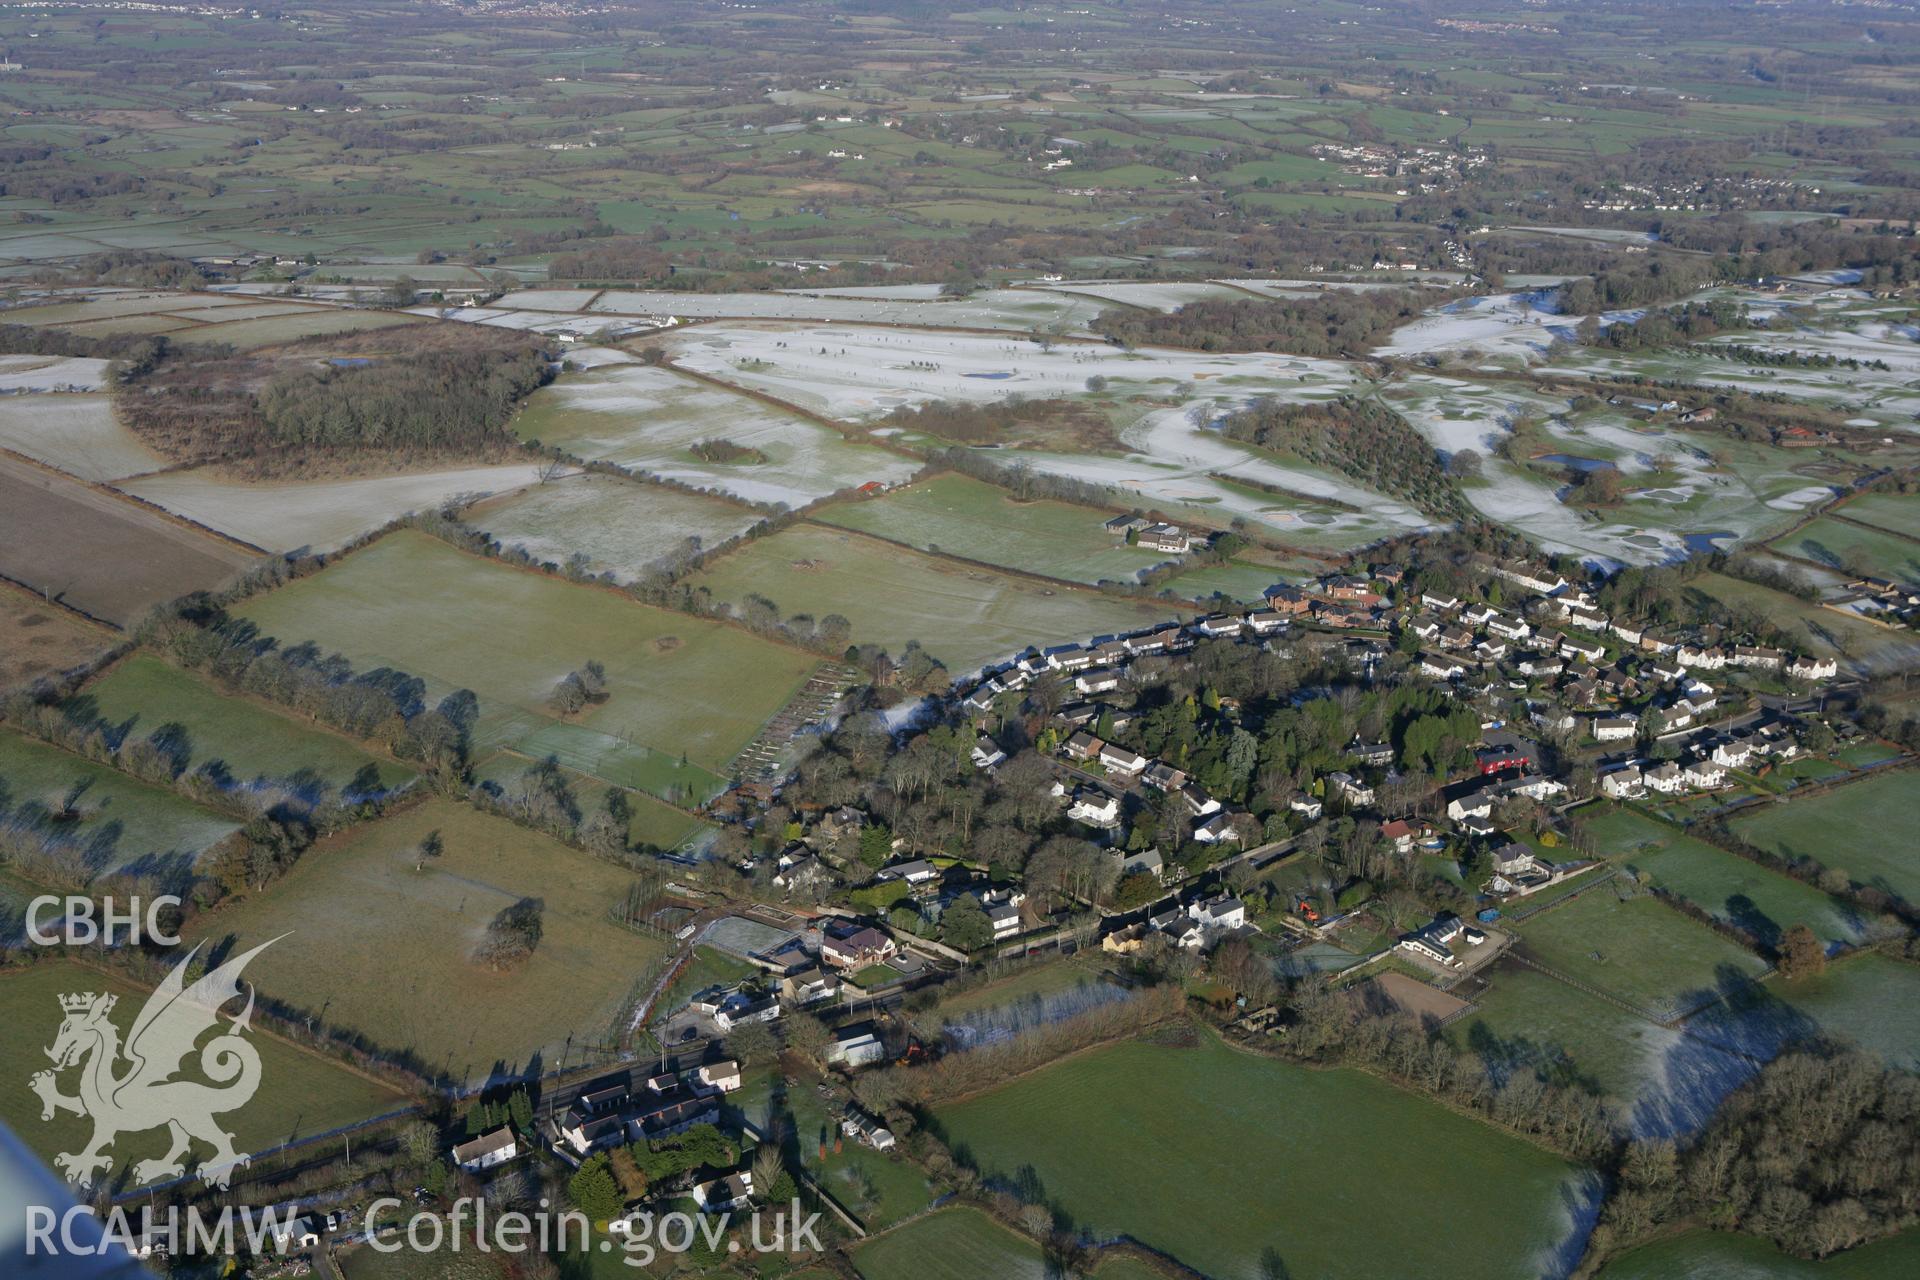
(146,1096)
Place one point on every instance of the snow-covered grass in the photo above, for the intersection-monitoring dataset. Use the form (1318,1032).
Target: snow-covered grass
(1159,295)
(649,419)
(76,433)
(1019,309)
(47,373)
(317,515)
(852,373)
(621,526)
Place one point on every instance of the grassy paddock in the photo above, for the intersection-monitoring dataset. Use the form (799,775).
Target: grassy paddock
(954,1244)
(1637,949)
(962,615)
(1847,829)
(144,693)
(675,684)
(970,518)
(379,948)
(1169,1145)
(123,824)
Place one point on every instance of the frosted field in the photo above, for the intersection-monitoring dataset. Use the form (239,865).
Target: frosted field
(1457,415)
(874,292)
(649,419)
(854,373)
(43,373)
(317,515)
(620,526)
(989,309)
(1176,464)
(1751,496)
(532,321)
(1306,288)
(1503,325)
(1168,295)
(1889,400)
(76,433)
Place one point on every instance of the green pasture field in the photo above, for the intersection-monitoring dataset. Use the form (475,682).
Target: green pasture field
(1170,1144)
(314,322)
(383,950)
(1716,1255)
(1527,1019)
(1867,999)
(961,1243)
(654,822)
(877,1188)
(1838,544)
(962,615)
(978,521)
(1894,512)
(1765,903)
(302,1093)
(124,825)
(144,693)
(675,683)
(1847,829)
(710,967)
(1033,980)
(1639,950)
(1237,580)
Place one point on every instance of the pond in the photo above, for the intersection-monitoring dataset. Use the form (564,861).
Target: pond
(1702,544)
(1574,462)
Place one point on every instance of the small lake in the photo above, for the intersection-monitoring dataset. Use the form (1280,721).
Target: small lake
(1703,544)
(1575,462)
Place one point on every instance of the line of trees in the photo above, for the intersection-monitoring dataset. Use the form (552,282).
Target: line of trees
(1334,323)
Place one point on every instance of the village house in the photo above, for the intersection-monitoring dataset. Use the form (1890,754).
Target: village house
(1095,807)
(1433,940)
(1002,908)
(487,1150)
(1162,776)
(1665,779)
(1096,680)
(855,947)
(853,1047)
(809,987)
(1349,788)
(723,1195)
(1444,602)
(1289,601)
(1220,624)
(1809,668)
(1167,538)
(1146,862)
(1402,833)
(1308,806)
(986,753)
(1219,829)
(1267,622)
(1614,728)
(1082,746)
(916,872)
(1122,761)
(1623,783)
(1222,913)
(1180,929)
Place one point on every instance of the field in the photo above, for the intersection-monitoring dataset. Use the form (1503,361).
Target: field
(103,556)
(1713,1255)
(979,521)
(122,824)
(263,750)
(302,1093)
(1899,513)
(1763,902)
(1846,829)
(964,616)
(379,948)
(1638,950)
(876,1188)
(1868,999)
(954,1244)
(1170,1145)
(76,433)
(620,527)
(649,419)
(317,515)
(1838,544)
(676,684)
(366,1263)
(38,639)
(203,318)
